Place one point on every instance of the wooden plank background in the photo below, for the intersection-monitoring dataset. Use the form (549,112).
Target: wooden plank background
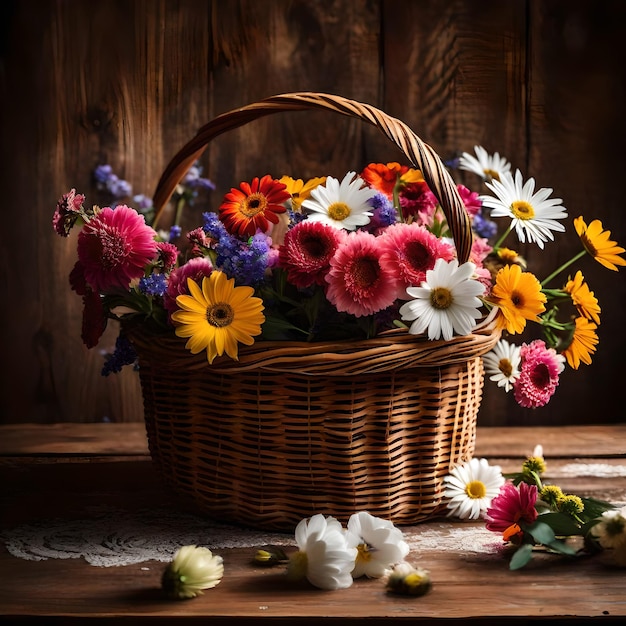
(128,82)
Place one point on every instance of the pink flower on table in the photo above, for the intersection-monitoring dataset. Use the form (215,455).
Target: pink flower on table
(408,251)
(510,507)
(114,248)
(358,283)
(539,374)
(307,250)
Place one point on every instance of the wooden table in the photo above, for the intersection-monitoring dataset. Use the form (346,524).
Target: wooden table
(59,471)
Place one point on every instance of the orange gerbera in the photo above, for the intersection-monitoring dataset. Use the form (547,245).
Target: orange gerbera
(518,295)
(253,206)
(598,244)
(384,177)
(582,298)
(583,343)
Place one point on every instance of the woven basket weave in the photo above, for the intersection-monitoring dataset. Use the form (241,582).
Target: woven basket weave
(292,429)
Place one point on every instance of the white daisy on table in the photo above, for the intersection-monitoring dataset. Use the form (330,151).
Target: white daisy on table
(470,487)
(502,364)
(534,214)
(446,303)
(380,545)
(344,204)
(487,166)
(324,557)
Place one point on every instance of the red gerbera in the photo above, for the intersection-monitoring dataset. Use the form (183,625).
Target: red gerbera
(408,251)
(307,251)
(357,282)
(511,506)
(253,206)
(114,247)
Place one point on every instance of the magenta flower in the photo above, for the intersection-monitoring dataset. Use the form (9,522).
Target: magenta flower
(114,247)
(196,268)
(307,250)
(67,212)
(418,201)
(408,251)
(168,255)
(357,281)
(510,507)
(471,200)
(539,374)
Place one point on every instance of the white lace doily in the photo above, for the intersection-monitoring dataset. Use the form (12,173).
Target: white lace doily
(109,537)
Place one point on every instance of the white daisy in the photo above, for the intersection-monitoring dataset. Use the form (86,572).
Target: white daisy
(470,488)
(534,215)
(192,570)
(610,531)
(324,557)
(502,364)
(380,545)
(487,166)
(342,204)
(446,303)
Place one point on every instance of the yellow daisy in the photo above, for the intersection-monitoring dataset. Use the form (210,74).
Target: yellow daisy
(598,244)
(519,297)
(218,316)
(583,343)
(300,190)
(582,298)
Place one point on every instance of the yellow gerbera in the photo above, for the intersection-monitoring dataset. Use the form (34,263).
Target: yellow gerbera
(519,297)
(218,316)
(598,244)
(300,190)
(582,298)
(583,344)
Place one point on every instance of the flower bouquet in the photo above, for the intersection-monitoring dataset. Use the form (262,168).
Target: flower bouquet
(318,346)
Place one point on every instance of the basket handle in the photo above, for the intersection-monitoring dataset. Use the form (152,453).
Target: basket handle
(420,154)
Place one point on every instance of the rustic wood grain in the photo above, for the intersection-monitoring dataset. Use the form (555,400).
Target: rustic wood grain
(129,83)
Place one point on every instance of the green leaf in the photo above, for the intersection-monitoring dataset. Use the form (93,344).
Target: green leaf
(522,555)
(562,547)
(560,523)
(540,532)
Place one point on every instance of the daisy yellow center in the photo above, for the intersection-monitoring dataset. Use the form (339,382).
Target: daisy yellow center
(476,489)
(220,314)
(441,298)
(253,204)
(492,174)
(505,367)
(338,211)
(523,210)
(363,552)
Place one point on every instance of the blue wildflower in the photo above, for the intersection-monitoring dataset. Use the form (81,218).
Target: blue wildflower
(123,354)
(175,232)
(153,285)
(484,227)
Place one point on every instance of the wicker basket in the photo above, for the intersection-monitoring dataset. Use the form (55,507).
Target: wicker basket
(293,429)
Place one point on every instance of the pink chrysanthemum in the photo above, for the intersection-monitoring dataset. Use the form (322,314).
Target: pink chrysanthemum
(168,255)
(408,251)
(357,281)
(307,250)
(196,268)
(510,507)
(539,374)
(67,212)
(114,248)
(471,200)
(419,202)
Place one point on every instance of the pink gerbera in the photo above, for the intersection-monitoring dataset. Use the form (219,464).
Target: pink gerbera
(196,268)
(408,251)
(114,247)
(307,250)
(471,200)
(510,507)
(357,281)
(539,374)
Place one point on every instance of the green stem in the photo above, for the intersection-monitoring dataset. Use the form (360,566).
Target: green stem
(565,265)
(505,234)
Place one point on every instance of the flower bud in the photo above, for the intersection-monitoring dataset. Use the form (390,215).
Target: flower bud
(407,580)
